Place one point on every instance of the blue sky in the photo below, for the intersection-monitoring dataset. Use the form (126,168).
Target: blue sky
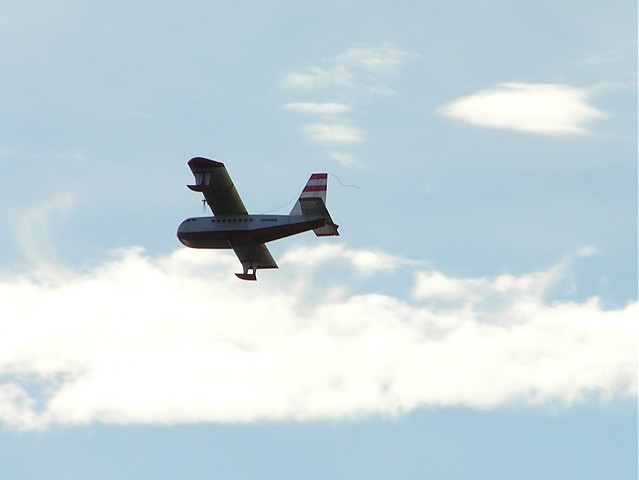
(477,317)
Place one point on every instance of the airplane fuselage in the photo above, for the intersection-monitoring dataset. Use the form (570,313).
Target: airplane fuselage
(228,230)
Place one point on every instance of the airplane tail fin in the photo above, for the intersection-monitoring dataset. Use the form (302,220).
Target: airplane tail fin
(312,202)
(315,188)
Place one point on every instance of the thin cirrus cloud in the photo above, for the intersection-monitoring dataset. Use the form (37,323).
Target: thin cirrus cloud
(331,130)
(332,133)
(315,108)
(176,339)
(363,68)
(35,229)
(547,109)
(346,159)
(358,73)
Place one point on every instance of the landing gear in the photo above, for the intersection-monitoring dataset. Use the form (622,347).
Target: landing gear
(247,276)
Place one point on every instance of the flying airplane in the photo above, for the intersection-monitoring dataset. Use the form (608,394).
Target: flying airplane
(231,226)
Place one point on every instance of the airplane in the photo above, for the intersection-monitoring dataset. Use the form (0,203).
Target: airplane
(232,227)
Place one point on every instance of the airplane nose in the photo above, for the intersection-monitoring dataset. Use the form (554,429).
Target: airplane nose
(182,228)
(180,234)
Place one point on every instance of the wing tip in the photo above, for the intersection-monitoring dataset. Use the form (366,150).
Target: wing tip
(198,188)
(201,162)
(247,276)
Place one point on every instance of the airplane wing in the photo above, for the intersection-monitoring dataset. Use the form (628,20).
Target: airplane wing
(212,179)
(254,256)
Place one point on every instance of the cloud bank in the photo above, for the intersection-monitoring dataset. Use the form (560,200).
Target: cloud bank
(177,339)
(546,109)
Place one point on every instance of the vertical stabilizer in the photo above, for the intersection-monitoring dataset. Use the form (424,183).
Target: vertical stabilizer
(315,188)
(312,203)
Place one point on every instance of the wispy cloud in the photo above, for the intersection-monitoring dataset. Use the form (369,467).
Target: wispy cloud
(328,108)
(364,68)
(177,339)
(316,77)
(382,59)
(345,159)
(609,56)
(332,133)
(359,73)
(547,109)
(35,230)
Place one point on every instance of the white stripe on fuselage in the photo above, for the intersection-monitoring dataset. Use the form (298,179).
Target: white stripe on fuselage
(228,223)
(223,231)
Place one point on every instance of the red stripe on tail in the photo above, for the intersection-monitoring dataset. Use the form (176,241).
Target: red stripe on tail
(315,188)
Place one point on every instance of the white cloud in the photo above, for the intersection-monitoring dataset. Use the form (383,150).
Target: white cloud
(436,286)
(328,108)
(332,133)
(536,108)
(17,407)
(315,77)
(178,339)
(363,68)
(366,262)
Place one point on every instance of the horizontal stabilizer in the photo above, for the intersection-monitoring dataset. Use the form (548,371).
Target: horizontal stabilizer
(315,207)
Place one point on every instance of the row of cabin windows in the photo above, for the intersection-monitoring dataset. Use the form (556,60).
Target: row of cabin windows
(232,220)
(216,220)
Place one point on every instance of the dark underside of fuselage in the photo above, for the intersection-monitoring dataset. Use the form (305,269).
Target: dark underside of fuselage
(223,238)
